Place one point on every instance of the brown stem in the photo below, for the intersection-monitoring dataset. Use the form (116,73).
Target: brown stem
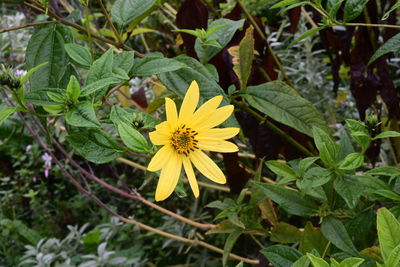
(109,21)
(26,26)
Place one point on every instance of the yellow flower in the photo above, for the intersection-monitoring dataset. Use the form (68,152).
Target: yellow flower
(184,137)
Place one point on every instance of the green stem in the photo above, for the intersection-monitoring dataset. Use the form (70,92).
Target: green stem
(273,127)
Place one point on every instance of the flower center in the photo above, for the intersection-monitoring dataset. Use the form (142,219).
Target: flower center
(183,140)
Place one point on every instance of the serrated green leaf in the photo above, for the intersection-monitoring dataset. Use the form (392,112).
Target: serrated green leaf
(153,66)
(101,68)
(302,262)
(281,256)
(94,145)
(336,233)
(5,112)
(306,163)
(40,97)
(283,104)
(353,8)
(388,194)
(125,11)
(124,60)
(221,35)
(391,45)
(317,261)
(282,169)
(79,54)
(132,138)
(352,161)
(82,115)
(292,201)
(386,134)
(394,257)
(283,3)
(326,146)
(31,71)
(99,85)
(388,232)
(73,89)
(47,45)
(350,189)
(384,171)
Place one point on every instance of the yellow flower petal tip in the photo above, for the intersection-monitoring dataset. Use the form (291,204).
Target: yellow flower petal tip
(184,136)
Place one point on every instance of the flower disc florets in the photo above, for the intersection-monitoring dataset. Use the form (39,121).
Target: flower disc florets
(183,140)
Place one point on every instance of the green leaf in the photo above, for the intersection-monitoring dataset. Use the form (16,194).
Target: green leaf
(352,161)
(391,45)
(82,115)
(326,146)
(394,257)
(125,11)
(95,145)
(91,240)
(99,85)
(282,169)
(152,65)
(243,55)
(317,261)
(40,97)
(31,71)
(301,262)
(352,262)
(128,115)
(306,34)
(179,81)
(73,89)
(345,145)
(281,256)
(5,112)
(283,3)
(386,135)
(285,233)
(101,68)
(336,233)
(353,8)
(350,189)
(283,104)
(124,60)
(47,45)
(333,7)
(394,7)
(79,54)
(29,234)
(132,138)
(222,35)
(312,238)
(384,171)
(305,163)
(388,232)
(292,201)
(388,194)
(229,243)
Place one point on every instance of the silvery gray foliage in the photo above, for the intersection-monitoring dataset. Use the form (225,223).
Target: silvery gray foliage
(69,252)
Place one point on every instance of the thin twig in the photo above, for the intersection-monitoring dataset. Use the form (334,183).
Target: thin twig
(109,21)
(26,26)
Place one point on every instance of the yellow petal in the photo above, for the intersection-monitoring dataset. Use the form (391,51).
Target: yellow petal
(189,103)
(172,115)
(216,118)
(190,175)
(169,177)
(205,110)
(223,133)
(218,145)
(160,159)
(207,167)
(159,139)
